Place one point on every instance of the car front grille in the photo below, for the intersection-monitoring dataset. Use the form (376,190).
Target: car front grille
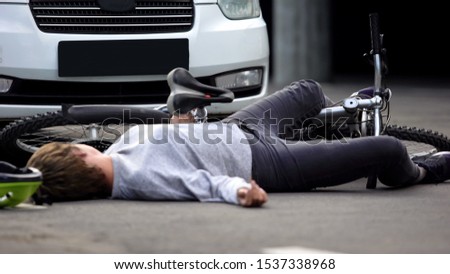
(87,17)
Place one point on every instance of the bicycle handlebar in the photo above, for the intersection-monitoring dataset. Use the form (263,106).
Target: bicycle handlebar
(375,33)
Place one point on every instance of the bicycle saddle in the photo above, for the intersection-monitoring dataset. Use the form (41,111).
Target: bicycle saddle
(17,184)
(187,93)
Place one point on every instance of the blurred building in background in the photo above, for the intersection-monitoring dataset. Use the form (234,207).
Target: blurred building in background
(322,39)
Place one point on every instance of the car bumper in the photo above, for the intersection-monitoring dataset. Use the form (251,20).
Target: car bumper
(217,47)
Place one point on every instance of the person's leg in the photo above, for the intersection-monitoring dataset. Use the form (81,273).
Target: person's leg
(301,167)
(284,110)
(278,166)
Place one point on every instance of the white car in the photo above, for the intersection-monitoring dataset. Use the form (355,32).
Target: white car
(55,52)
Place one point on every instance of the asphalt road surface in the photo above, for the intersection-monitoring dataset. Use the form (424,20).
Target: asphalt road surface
(343,219)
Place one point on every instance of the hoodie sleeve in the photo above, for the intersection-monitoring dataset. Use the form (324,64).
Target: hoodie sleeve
(208,188)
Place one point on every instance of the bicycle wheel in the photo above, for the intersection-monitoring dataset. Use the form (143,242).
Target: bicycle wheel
(419,142)
(21,138)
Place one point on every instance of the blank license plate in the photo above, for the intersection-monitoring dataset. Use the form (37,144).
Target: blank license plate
(122,57)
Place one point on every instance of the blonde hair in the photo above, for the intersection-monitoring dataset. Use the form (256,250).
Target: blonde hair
(66,177)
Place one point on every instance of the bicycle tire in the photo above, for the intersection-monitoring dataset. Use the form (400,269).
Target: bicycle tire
(22,137)
(435,140)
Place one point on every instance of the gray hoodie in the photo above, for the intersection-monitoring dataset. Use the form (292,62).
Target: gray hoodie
(206,162)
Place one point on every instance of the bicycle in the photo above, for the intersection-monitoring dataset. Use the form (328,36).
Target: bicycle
(361,114)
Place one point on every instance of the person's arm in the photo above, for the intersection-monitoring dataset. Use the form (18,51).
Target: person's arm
(235,190)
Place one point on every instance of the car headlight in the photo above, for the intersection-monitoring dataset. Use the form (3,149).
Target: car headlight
(240,9)
(240,79)
(5,85)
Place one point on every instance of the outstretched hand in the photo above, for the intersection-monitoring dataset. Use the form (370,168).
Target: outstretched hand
(253,197)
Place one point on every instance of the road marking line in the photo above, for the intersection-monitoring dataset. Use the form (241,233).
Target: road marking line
(295,250)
